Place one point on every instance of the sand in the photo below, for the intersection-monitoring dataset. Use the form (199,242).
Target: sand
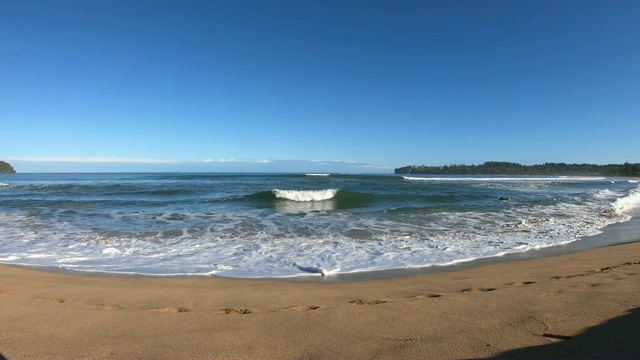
(575,306)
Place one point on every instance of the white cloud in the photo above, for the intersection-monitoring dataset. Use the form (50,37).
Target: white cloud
(39,164)
(233,160)
(72,159)
(376,167)
(221,160)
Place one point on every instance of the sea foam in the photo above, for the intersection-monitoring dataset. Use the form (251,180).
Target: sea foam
(205,225)
(305,195)
(629,202)
(524,178)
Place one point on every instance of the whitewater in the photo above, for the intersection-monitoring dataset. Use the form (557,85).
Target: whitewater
(290,225)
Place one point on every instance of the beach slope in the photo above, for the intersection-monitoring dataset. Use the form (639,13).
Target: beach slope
(575,306)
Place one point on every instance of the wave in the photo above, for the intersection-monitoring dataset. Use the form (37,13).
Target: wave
(560,178)
(633,181)
(317,174)
(305,200)
(128,189)
(305,195)
(3,184)
(606,193)
(629,202)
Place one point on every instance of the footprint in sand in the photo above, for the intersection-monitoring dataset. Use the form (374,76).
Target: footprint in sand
(367,302)
(169,309)
(592,272)
(557,277)
(476,289)
(234,311)
(522,283)
(51,300)
(107,306)
(302,308)
(424,296)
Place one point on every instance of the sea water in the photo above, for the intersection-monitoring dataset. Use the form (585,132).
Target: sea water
(285,225)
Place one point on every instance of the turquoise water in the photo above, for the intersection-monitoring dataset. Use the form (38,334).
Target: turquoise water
(283,225)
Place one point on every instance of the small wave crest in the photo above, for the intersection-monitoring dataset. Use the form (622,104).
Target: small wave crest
(305,195)
(317,174)
(627,203)
(606,193)
(561,178)
(3,184)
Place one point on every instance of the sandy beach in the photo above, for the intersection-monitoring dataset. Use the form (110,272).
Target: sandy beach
(574,306)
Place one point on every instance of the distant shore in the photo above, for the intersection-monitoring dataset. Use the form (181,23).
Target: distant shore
(511,168)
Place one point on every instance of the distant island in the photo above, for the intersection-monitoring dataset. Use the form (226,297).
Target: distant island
(5,168)
(510,168)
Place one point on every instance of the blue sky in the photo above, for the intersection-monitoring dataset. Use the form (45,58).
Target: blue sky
(352,86)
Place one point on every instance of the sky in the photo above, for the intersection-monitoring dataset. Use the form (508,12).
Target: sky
(316,86)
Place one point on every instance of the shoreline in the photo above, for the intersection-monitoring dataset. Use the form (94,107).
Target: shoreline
(614,234)
(588,300)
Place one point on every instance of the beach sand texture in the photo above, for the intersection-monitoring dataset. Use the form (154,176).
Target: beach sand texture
(583,305)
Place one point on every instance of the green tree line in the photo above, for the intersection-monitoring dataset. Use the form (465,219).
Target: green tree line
(510,168)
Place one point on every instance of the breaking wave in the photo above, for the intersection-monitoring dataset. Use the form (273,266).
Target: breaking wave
(629,202)
(561,178)
(305,195)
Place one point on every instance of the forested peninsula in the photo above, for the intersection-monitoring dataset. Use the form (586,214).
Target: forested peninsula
(509,168)
(5,168)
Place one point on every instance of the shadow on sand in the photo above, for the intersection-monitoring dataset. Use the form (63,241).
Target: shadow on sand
(618,338)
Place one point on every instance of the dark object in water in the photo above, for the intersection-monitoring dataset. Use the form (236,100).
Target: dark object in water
(502,198)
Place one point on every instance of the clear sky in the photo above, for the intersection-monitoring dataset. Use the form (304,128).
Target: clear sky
(354,86)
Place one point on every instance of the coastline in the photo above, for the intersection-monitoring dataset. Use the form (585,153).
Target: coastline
(579,305)
(614,234)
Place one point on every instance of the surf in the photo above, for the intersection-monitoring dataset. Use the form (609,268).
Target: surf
(305,195)
(497,179)
(627,203)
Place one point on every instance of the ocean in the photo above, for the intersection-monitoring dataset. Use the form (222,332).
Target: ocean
(294,225)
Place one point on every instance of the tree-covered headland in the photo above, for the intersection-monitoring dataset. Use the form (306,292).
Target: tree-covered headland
(510,168)
(5,168)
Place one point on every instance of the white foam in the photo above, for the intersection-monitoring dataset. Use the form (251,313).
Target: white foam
(317,174)
(111,251)
(524,178)
(605,194)
(3,184)
(246,245)
(305,195)
(627,203)
(633,181)
(307,237)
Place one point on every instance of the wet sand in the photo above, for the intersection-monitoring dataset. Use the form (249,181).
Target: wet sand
(575,306)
